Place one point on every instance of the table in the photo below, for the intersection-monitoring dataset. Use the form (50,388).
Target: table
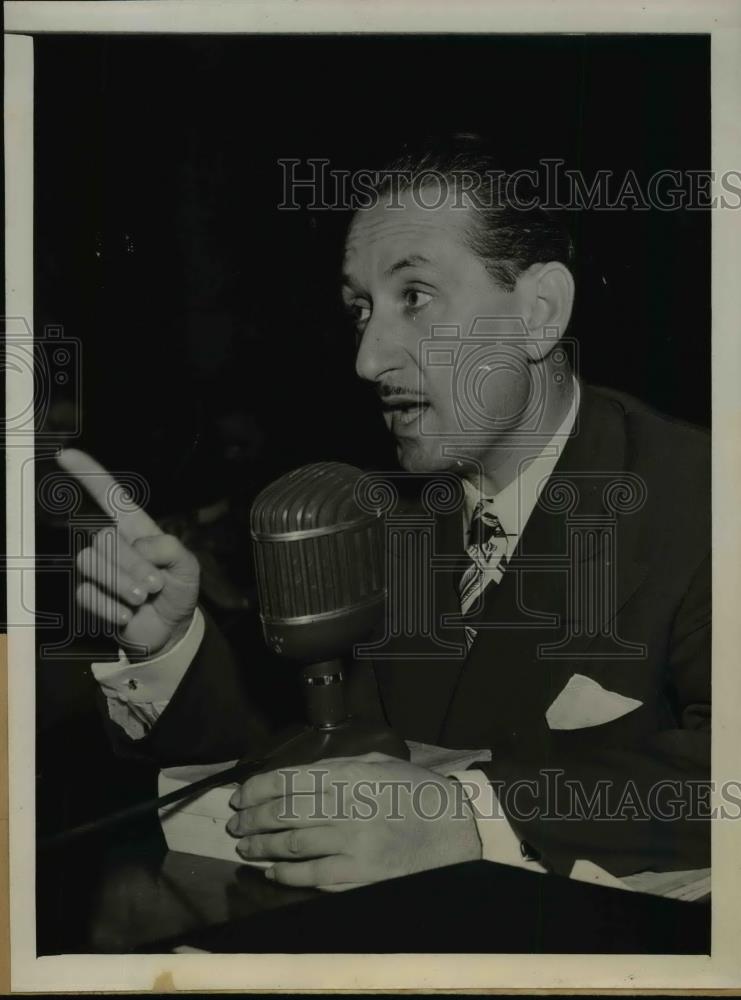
(131,895)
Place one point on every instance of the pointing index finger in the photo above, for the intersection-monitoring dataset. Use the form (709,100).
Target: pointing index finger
(132,521)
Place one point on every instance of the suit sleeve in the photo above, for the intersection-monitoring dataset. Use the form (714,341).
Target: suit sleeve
(657,793)
(215,713)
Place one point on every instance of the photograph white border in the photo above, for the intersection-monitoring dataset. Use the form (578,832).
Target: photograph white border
(371,972)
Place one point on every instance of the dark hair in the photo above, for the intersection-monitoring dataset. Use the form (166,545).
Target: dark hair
(508,237)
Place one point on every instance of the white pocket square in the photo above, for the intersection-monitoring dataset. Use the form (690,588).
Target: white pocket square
(584,702)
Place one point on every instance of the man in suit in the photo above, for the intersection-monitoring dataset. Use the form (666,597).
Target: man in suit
(577,658)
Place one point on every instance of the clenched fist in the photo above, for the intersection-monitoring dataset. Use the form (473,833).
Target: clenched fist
(133,575)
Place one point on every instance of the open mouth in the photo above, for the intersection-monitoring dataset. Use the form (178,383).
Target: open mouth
(403,412)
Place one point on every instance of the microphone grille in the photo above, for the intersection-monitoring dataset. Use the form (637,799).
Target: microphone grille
(317,553)
(314,496)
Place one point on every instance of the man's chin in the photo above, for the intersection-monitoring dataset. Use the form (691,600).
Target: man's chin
(423,458)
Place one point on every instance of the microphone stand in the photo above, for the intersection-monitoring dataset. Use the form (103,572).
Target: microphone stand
(331,731)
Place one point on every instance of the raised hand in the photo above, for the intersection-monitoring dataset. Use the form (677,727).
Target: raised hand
(135,577)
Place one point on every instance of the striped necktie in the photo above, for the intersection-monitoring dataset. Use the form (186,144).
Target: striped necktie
(488,551)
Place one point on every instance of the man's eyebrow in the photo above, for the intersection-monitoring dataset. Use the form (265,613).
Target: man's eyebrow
(348,282)
(413,260)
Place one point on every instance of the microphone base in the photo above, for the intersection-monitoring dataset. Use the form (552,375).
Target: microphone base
(348,738)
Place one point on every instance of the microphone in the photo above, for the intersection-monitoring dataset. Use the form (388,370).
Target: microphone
(321,585)
(320,565)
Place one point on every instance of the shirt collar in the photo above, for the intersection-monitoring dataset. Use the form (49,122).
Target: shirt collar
(515,503)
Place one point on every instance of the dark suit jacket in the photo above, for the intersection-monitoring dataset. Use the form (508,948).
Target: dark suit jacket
(610,580)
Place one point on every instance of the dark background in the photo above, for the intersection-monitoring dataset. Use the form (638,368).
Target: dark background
(160,246)
(214,355)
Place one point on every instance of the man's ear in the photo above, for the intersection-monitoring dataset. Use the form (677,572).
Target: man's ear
(549,290)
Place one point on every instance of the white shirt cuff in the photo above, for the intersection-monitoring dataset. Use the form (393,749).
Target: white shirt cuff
(499,842)
(138,693)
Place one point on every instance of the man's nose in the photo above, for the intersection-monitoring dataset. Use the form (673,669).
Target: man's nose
(380,351)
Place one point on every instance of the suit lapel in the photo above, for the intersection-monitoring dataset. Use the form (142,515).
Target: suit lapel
(417,673)
(434,695)
(543,616)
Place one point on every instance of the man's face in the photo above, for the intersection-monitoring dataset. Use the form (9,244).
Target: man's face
(406,271)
